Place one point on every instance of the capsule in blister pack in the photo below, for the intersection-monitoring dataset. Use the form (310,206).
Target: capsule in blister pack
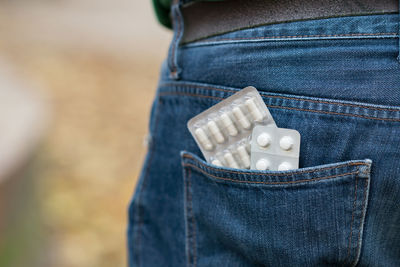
(275,149)
(223,131)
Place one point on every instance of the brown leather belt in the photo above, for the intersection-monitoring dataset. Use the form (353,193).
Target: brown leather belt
(206,19)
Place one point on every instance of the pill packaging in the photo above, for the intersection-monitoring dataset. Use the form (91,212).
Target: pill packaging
(223,132)
(275,149)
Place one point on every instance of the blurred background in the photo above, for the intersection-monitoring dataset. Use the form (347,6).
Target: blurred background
(77,78)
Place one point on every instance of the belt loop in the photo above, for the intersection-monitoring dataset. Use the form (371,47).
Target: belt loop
(177,21)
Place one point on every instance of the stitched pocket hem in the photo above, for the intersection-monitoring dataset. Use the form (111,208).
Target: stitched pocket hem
(217,184)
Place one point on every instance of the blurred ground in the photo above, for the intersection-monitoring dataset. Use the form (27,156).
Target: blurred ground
(97,64)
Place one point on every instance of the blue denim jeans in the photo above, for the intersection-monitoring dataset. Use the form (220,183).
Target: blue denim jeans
(337,82)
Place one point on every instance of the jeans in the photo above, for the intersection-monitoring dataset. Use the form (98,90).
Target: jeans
(337,82)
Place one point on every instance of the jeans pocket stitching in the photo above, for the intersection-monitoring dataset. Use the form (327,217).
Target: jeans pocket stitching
(360,199)
(191,237)
(362,219)
(357,249)
(269,174)
(273,183)
(352,221)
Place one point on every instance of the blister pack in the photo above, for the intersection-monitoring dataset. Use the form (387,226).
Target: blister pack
(275,149)
(223,132)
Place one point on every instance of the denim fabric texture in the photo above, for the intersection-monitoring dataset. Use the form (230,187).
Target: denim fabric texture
(337,82)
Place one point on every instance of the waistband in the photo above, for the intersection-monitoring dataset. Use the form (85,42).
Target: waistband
(217,23)
(209,18)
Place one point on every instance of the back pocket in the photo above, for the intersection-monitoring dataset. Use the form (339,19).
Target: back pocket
(306,217)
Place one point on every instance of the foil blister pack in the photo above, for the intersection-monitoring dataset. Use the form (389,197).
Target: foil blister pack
(224,132)
(274,148)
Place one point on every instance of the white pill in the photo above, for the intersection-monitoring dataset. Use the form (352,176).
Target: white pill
(203,139)
(254,111)
(230,160)
(216,162)
(244,156)
(241,118)
(228,123)
(264,140)
(286,143)
(262,164)
(284,166)
(213,127)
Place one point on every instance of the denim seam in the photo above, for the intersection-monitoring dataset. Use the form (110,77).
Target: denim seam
(270,183)
(398,32)
(145,178)
(191,239)
(217,40)
(361,222)
(185,214)
(285,97)
(281,107)
(277,174)
(352,222)
(336,113)
(358,249)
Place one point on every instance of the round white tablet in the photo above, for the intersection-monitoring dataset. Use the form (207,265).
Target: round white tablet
(263,140)
(262,164)
(286,143)
(284,166)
